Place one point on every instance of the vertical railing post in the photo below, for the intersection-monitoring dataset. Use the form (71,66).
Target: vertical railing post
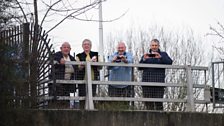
(190,97)
(25,65)
(213,84)
(54,84)
(89,95)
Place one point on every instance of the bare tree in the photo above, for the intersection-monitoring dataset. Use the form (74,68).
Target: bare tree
(7,14)
(183,48)
(55,12)
(218,33)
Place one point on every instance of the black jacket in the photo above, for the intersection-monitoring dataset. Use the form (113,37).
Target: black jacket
(60,68)
(82,57)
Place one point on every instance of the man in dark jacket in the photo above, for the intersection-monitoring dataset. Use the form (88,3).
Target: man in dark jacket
(155,56)
(63,72)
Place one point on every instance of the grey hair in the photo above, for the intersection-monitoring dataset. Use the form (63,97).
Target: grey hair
(121,43)
(155,40)
(87,40)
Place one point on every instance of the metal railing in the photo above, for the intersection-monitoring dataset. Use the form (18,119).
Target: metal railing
(185,86)
(217,90)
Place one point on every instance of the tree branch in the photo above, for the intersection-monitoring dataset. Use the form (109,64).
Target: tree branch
(99,20)
(87,7)
(50,7)
(24,15)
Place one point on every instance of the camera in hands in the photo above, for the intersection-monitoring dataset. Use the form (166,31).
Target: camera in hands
(151,55)
(119,57)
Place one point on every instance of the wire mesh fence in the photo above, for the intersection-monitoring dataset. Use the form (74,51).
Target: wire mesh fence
(166,90)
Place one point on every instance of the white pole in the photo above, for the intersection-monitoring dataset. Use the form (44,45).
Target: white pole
(101,47)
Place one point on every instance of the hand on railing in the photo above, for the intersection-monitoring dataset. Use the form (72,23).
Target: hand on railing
(94,59)
(81,66)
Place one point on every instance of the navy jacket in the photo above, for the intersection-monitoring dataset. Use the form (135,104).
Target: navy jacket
(60,68)
(155,74)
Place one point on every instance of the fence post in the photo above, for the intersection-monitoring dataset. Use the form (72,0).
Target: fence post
(190,97)
(25,65)
(34,65)
(89,95)
(213,85)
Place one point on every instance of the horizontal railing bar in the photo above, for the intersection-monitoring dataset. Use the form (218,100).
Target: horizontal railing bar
(218,106)
(199,86)
(123,83)
(202,101)
(60,98)
(138,99)
(138,65)
(114,99)
(45,81)
(199,68)
(71,81)
(217,62)
(137,83)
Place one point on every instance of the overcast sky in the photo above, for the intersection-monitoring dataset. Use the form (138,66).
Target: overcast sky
(195,14)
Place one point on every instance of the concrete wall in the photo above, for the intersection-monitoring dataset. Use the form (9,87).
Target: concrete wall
(107,118)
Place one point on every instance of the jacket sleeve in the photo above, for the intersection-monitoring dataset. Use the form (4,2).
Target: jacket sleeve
(129,58)
(141,61)
(165,59)
(57,57)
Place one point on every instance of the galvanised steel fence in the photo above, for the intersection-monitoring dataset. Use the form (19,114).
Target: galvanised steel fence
(184,88)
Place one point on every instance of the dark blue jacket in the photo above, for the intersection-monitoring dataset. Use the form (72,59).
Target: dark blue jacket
(60,68)
(155,74)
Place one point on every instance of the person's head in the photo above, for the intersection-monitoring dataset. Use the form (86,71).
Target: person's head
(86,45)
(154,45)
(65,48)
(121,47)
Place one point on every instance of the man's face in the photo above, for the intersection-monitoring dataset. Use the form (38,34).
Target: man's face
(154,46)
(121,48)
(86,46)
(65,49)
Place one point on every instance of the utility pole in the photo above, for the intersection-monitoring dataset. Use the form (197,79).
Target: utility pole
(101,46)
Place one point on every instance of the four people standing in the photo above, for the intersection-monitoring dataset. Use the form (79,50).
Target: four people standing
(117,73)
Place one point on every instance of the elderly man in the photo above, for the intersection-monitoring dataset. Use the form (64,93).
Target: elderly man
(120,73)
(63,72)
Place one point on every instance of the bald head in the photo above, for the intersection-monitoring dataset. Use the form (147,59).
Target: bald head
(65,48)
(66,44)
(121,47)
